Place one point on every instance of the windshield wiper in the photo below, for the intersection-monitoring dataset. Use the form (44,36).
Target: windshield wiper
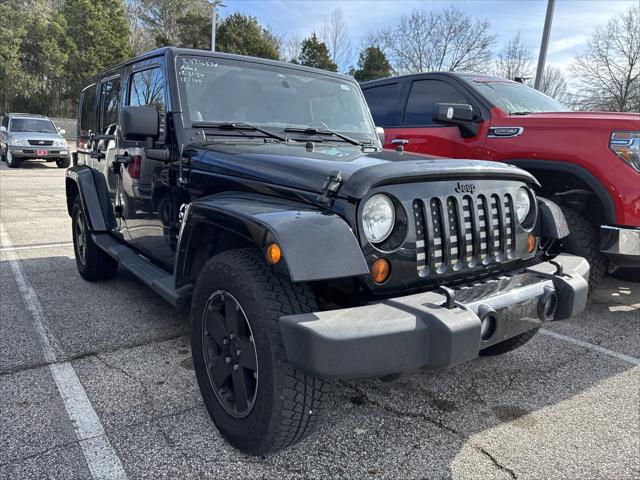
(323,131)
(240,126)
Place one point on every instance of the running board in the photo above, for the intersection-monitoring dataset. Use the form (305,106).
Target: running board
(159,280)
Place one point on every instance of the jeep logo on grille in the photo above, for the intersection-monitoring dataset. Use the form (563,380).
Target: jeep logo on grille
(465,187)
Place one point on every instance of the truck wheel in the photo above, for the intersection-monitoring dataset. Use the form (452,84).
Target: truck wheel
(12,162)
(257,399)
(93,263)
(63,162)
(584,240)
(508,345)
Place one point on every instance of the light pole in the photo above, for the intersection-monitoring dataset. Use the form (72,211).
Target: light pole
(542,58)
(214,17)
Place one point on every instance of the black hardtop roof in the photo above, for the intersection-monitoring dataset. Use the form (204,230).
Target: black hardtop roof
(468,76)
(175,51)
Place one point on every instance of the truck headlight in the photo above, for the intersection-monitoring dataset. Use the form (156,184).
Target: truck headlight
(626,145)
(378,218)
(60,142)
(17,142)
(523,204)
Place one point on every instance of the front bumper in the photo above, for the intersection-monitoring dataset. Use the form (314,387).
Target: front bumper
(26,152)
(433,329)
(621,245)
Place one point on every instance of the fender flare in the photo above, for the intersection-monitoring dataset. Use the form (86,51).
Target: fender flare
(557,166)
(94,196)
(315,244)
(551,221)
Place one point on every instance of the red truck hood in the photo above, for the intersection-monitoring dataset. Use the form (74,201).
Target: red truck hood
(610,119)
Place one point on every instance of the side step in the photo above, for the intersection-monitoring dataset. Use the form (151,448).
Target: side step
(159,280)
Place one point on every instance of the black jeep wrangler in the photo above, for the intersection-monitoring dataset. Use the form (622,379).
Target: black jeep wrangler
(257,193)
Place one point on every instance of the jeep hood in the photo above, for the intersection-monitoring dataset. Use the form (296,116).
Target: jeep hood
(293,165)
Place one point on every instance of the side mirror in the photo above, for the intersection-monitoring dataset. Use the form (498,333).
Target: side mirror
(139,123)
(3,129)
(62,131)
(458,114)
(380,132)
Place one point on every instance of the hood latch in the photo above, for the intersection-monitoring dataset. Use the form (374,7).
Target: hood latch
(330,188)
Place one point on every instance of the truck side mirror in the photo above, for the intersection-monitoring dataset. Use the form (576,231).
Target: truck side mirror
(62,131)
(139,123)
(380,133)
(3,129)
(458,114)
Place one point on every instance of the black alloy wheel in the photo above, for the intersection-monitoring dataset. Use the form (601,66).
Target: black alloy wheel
(230,354)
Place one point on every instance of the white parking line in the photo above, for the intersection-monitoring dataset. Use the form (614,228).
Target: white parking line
(591,346)
(102,460)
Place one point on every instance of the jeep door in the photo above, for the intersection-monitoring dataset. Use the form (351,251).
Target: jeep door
(410,120)
(106,142)
(150,209)
(87,125)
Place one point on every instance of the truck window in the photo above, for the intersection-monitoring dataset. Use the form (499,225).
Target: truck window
(87,111)
(147,88)
(109,106)
(423,98)
(383,102)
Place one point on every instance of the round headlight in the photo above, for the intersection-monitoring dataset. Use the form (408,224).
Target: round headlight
(378,218)
(523,204)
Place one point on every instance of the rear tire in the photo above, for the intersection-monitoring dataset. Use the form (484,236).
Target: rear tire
(63,162)
(508,345)
(282,404)
(584,240)
(93,263)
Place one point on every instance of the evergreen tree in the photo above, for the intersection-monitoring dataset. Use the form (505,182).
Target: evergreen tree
(314,53)
(100,34)
(194,31)
(243,35)
(372,64)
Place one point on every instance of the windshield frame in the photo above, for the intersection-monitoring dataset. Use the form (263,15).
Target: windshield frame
(33,119)
(188,123)
(480,87)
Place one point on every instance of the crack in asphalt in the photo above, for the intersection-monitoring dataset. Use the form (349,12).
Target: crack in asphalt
(507,470)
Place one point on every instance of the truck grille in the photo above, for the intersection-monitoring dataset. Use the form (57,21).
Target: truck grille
(457,232)
(41,143)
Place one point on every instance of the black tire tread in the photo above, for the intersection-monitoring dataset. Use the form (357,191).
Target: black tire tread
(583,240)
(303,397)
(509,344)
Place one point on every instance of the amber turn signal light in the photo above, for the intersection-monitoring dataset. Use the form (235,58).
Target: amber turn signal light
(274,254)
(531,243)
(380,270)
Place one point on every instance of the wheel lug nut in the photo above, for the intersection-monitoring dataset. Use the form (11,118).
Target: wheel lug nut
(232,336)
(227,360)
(238,352)
(236,367)
(225,341)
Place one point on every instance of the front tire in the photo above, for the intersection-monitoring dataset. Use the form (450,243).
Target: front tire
(93,263)
(12,162)
(584,240)
(63,162)
(509,344)
(257,399)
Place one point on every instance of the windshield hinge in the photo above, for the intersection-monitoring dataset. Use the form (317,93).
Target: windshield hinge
(331,187)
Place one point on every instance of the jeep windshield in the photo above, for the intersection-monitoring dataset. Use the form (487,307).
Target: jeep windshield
(32,125)
(515,98)
(218,91)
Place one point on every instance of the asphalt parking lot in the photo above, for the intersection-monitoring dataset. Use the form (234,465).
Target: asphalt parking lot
(97,378)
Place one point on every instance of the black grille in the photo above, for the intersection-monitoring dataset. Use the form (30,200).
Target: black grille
(458,232)
(41,143)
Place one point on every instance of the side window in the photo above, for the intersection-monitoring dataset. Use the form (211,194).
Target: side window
(423,98)
(147,88)
(109,106)
(87,111)
(383,103)
(5,122)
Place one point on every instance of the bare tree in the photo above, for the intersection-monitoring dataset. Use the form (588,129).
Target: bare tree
(140,39)
(554,84)
(608,71)
(439,40)
(515,60)
(336,36)
(289,46)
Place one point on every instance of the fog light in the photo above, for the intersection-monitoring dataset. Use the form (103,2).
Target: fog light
(274,254)
(531,243)
(380,270)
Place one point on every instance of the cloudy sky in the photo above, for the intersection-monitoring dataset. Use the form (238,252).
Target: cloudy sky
(573,22)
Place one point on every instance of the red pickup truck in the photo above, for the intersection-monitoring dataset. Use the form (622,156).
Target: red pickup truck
(587,162)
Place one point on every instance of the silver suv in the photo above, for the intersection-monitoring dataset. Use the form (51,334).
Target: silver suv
(24,136)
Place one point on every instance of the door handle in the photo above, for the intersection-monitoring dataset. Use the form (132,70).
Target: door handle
(399,141)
